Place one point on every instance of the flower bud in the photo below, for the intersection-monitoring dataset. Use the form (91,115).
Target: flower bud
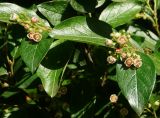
(117,34)
(118,50)
(122,40)
(149,105)
(124,111)
(58,115)
(5,84)
(157,103)
(14,17)
(113,98)
(30,35)
(109,43)
(111,59)
(63,90)
(34,36)
(26,26)
(128,62)
(37,37)
(34,20)
(123,55)
(137,62)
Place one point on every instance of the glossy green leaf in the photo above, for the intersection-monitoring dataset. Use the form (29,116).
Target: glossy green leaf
(117,14)
(156,59)
(84,6)
(147,41)
(137,84)
(82,29)
(6,9)
(100,3)
(32,53)
(53,10)
(50,79)
(3,71)
(51,70)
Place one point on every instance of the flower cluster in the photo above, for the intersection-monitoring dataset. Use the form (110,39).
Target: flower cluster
(33,25)
(122,50)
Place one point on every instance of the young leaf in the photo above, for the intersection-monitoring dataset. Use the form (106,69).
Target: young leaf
(6,9)
(137,84)
(100,3)
(50,79)
(82,29)
(84,6)
(33,53)
(117,14)
(51,70)
(53,10)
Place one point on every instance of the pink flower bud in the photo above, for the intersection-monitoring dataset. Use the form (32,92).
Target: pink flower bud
(137,62)
(118,50)
(37,37)
(30,35)
(34,36)
(122,40)
(128,62)
(109,43)
(111,59)
(34,20)
(124,111)
(123,55)
(113,98)
(26,26)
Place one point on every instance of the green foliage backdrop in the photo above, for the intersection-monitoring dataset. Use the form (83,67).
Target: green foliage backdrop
(80,59)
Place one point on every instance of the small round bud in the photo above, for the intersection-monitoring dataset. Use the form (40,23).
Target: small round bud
(123,55)
(118,50)
(63,90)
(65,106)
(26,26)
(128,62)
(37,37)
(149,105)
(124,111)
(128,36)
(5,85)
(137,62)
(109,43)
(58,115)
(129,54)
(112,34)
(157,103)
(30,35)
(123,31)
(117,34)
(28,99)
(34,20)
(113,98)
(14,17)
(109,52)
(122,40)
(111,59)
(34,36)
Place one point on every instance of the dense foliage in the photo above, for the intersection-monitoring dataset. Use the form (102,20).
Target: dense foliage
(80,59)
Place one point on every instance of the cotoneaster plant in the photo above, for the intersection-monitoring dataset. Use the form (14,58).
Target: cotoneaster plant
(66,42)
